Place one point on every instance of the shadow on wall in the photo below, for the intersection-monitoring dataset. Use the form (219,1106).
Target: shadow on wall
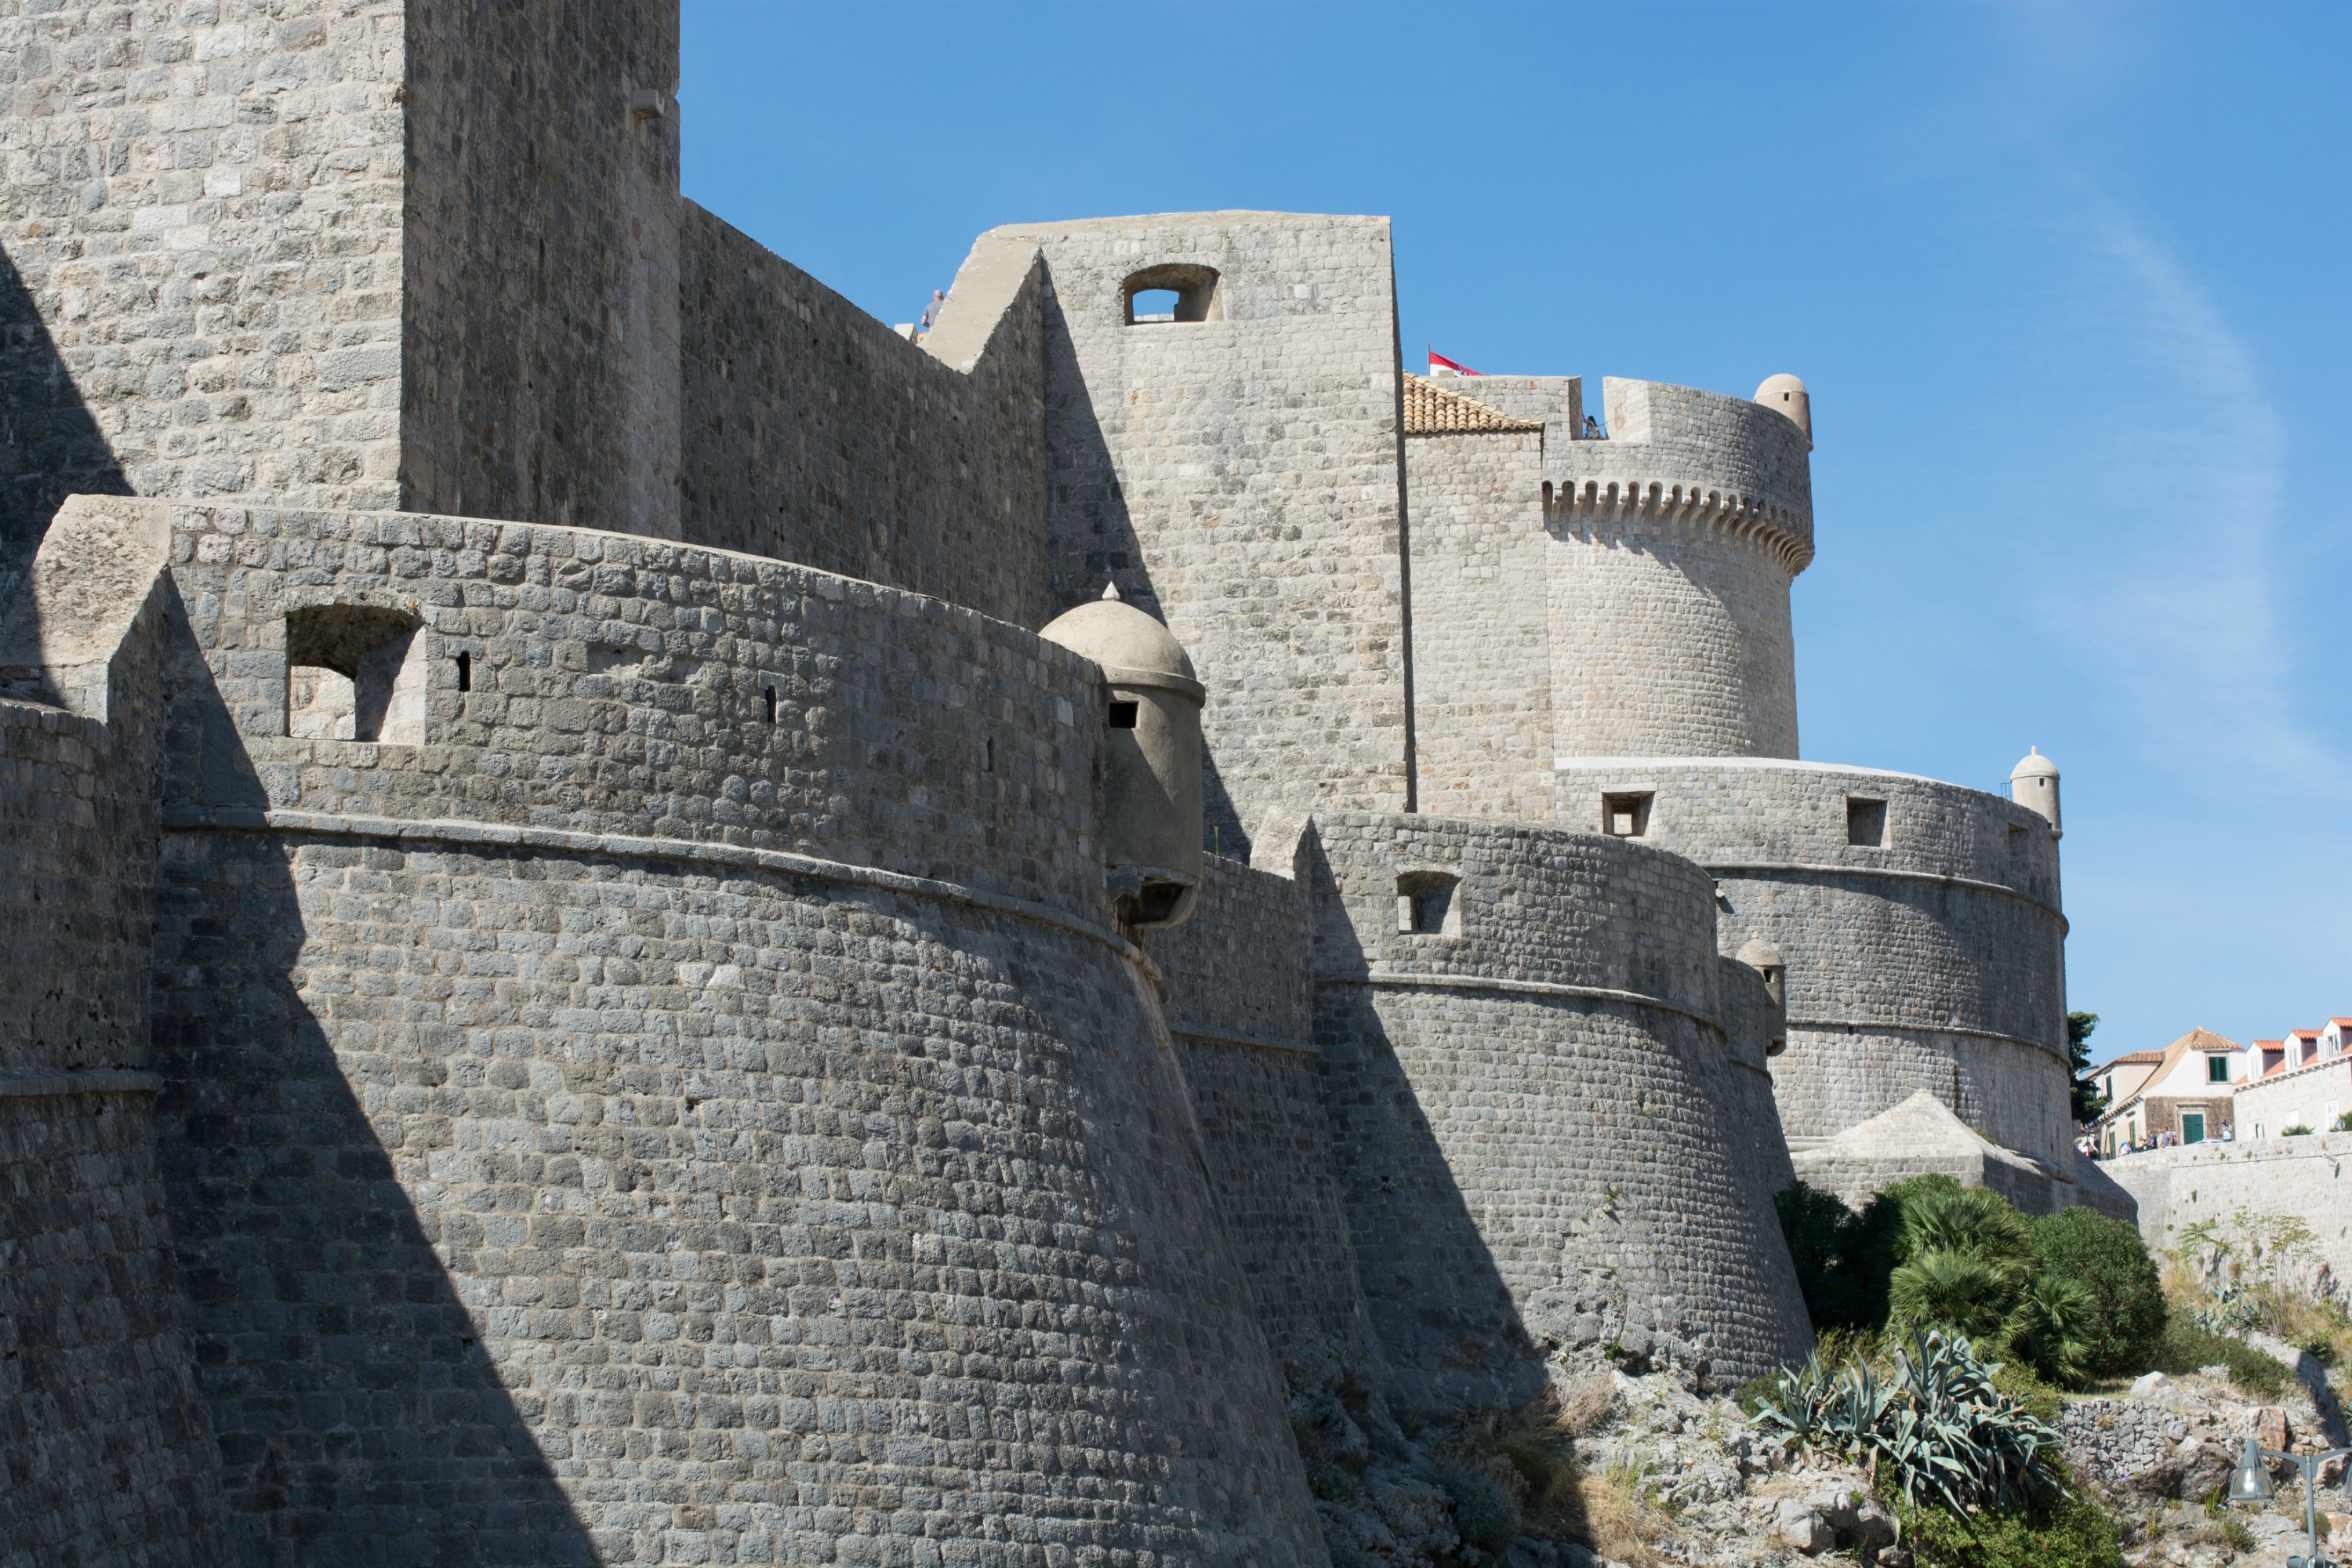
(1093,541)
(1452,1335)
(50,446)
(358,1418)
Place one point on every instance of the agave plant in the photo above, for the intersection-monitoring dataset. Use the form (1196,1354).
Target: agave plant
(1939,1428)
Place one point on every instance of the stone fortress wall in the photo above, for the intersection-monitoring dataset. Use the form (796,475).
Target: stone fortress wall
(1236,475)
(1651,571)
(1930,958)
(103,1441)
(1526,1095)
(1666,595)
(573,1004)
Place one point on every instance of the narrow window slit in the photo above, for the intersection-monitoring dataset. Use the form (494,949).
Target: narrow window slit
(465,672)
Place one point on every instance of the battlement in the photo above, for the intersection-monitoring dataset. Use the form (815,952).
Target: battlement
(1671,456)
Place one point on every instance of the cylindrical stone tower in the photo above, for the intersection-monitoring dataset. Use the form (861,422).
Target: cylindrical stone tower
(1539,1096)
(1678,537)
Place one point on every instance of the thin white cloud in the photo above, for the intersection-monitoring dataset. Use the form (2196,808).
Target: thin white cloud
(2176,460)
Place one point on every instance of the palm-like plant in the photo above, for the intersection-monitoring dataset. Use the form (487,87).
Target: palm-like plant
(1944,1286)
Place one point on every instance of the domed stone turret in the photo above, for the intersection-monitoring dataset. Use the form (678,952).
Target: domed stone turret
(2033,783)
(1787,395)
(1152,757)
(1765,959)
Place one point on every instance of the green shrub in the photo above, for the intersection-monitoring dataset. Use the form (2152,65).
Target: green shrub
(2108,1259)
(1843,1258)
(2062,1530)
(1483,1513)
(2299,1130)
(2319,1344)
(2185,1348)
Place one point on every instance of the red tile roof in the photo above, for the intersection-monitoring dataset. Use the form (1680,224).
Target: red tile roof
(1432,410)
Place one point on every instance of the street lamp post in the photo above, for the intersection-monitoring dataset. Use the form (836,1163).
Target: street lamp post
(2251,1484)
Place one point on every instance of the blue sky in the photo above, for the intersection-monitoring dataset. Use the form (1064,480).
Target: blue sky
(2068,284)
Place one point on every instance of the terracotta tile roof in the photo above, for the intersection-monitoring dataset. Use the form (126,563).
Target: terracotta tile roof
(2202,1039)
(2341,1023)
(2303,1034)
(2131,1059)
(1431,410)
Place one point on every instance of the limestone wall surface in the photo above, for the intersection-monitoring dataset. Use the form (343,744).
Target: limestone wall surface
(815,434)
(1239,477)
(105,1450)
(1677,536)
(200,253)
(624,1125)
(1482,633)
(622,686)
(105,1455)
(1932,960)
(1241,1008)
(2210,1183)
(1523,1104)
(539,291)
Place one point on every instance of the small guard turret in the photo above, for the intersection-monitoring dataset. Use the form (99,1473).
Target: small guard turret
(2033,784)
(1151,758)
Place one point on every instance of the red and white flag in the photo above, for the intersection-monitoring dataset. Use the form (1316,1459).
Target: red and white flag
(1438,361)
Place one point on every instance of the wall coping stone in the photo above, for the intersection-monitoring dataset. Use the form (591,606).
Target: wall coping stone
(93,1080)
(461,833)
(1520,988)
(1891,873)
(1252,1042)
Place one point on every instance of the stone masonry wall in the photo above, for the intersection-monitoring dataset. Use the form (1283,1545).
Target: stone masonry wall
(631,1209)
(105,1457)
(1482,634)
(2303,1177)
(815,434)
(626,1125)
(1933,961)
(1239,477)
(1525,1106)
(1240,1007)
(1677,536)
(645,688)
(540,282)
(200,222)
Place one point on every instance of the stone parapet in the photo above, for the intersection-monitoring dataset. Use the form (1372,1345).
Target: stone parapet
(1528,1100)
(611,684)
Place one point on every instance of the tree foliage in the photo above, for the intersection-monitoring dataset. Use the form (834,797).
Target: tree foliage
(2088,1101)
(2064,1296)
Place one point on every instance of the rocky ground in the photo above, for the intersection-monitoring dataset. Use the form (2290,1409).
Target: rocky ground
(1643,1468)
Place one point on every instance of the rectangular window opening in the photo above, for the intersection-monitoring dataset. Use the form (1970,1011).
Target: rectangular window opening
(354,672)
(1123,715)
(1865,821)
(2217,1070)
(771,704)
(465,672)
(1426,905)
(1154,305)
(1626,816)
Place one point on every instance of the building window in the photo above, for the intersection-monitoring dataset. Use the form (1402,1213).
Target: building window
(2217,1070)
(354,672)
(1426,905)
(1123,715)
(1865,821)
(1625,815)
(1178,292)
